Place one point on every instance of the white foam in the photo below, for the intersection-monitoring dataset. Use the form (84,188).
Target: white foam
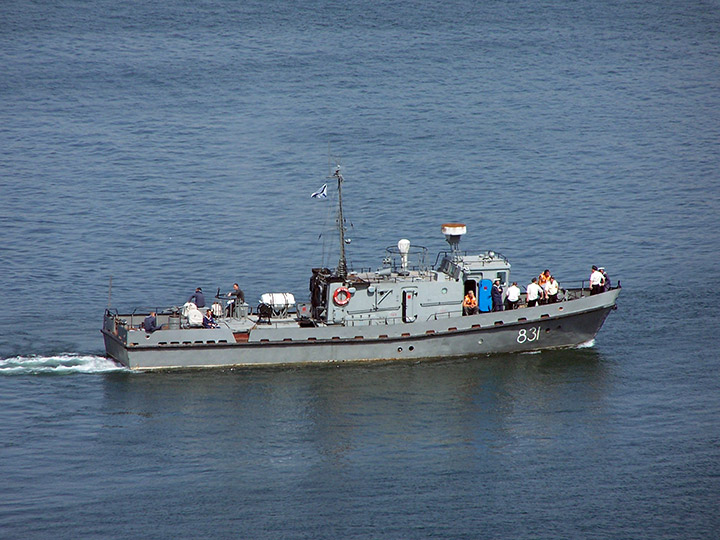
(60,364)
(587,344)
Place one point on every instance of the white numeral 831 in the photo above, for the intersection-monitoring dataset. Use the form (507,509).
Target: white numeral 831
(531,334)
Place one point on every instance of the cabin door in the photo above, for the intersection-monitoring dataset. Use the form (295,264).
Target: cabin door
(484,298)
(409,305)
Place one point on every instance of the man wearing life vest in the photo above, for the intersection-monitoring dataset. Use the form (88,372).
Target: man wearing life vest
(470,304)
(543,280)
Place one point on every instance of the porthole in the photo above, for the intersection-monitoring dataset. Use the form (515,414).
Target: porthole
(399,349)
(411,348)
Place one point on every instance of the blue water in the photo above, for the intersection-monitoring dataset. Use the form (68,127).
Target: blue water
(175,144)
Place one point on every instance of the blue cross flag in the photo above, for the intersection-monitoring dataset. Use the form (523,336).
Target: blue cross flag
(320,193)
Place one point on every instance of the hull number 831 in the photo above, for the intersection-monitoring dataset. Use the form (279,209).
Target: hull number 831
(528,335)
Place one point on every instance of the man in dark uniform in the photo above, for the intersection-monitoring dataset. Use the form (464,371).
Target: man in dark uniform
(150,323)
(238,297)
(197,298)
(606,286)
(496,294)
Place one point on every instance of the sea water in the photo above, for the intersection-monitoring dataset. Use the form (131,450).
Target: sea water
(150,148)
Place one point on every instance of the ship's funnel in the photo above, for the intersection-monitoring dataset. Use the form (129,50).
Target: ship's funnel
(453,233)
(404,249)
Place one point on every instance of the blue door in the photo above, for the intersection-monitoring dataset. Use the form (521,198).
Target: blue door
(484,298)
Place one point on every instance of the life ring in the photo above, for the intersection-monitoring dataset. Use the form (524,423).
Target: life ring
(341,296)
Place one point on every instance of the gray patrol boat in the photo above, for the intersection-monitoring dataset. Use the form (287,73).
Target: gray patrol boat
(406,310)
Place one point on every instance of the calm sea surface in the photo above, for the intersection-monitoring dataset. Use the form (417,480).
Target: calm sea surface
(169,145)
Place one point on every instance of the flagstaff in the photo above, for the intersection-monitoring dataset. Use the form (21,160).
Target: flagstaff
(342,263)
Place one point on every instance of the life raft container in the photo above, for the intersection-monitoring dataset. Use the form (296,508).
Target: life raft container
(341,296)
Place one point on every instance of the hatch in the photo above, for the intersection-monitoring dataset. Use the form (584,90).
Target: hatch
(409,305)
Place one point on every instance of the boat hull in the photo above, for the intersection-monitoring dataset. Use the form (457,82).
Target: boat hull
(565,324)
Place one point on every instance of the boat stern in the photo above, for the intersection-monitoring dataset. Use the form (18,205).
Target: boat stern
(115,334)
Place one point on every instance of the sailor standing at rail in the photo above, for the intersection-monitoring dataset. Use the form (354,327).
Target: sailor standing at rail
(513,296)
(552,288)
(497,295)
(597,281)
(534,293)
(606,285)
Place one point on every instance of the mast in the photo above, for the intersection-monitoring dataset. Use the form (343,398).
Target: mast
(342,263)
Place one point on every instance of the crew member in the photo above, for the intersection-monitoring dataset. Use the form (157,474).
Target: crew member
(607,285)
(197,298)
(496,294)
(513,296)
(150,323)
(552,288)
(238,297)
(470,304)
(543,280)
(209,320)
(597,281)
(534,292)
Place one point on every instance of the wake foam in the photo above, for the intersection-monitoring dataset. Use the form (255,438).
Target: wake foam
(60,364)
(587,344)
